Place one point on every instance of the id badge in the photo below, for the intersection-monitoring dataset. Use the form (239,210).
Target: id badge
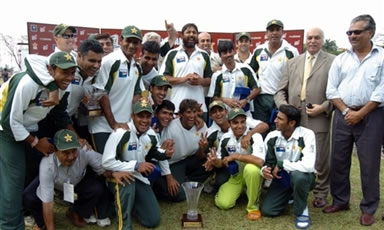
(69,192)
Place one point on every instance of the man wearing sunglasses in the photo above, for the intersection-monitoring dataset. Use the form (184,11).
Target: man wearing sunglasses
(65,38)
(356,88)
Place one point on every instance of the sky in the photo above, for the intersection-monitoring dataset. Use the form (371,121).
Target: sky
(332,16)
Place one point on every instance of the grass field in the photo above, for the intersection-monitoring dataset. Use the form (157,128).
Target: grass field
(236,219)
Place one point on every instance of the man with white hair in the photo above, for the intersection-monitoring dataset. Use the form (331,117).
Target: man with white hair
(303,85)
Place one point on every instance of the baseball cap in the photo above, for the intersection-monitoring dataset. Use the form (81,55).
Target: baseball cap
(61,28)
(66,139)
(275,22)
(243,34)
(236,112)
(131,32)
(63,60)
(216,103)
(160,80)
(142,105)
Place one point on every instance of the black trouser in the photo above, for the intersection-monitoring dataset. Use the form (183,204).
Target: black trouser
(368,136)
(91,193)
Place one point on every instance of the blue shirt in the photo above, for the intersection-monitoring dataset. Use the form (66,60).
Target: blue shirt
(354,82)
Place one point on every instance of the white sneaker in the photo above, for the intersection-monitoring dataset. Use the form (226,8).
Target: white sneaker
(103,222)
(29,221)
(91,219)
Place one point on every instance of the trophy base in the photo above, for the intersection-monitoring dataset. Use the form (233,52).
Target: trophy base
(94,113)
(186,223)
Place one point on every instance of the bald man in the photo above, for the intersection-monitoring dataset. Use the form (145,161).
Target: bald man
(303,84)
(205,43)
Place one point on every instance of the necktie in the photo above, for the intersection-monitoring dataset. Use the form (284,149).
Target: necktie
(307,71)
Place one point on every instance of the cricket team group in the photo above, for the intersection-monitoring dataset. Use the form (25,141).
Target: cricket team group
(112,132)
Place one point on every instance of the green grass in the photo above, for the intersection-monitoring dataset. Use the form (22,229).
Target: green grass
(236,219)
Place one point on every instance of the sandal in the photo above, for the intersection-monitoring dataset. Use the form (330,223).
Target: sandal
(302,222)
(254,215)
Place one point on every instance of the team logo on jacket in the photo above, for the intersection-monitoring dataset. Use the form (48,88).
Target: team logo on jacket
(132,146)
(263,57)
(180,59)
(231,148)
(123,73)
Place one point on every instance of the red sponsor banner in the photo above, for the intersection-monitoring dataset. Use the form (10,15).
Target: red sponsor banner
(40,37)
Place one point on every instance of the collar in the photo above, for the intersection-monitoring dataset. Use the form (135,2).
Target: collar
(132,128)
(295,135)
(237,67)
(374,48)
(307,55)
(123,58)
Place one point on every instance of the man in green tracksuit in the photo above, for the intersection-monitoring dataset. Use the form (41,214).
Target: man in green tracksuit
(20,111)
(130,151)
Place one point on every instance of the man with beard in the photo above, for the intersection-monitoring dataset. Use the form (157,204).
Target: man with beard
(243,54)
(188,69)
(150,53)
(20,112)
(356,89)
(268,61)
(235,83)
(186,163)
(120,78)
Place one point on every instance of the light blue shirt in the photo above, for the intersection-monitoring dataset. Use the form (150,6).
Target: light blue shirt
(354,82)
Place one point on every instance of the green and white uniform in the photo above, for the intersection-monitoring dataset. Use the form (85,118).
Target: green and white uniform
(226,81)
(123,151)
(20,111)
(249,175)
(268,69)
(121,79)
(178,64)
(297,156)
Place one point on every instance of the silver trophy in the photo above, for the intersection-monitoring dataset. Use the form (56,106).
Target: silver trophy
(192,219)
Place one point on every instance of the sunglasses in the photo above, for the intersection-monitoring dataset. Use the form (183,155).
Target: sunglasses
(356,32)
(68,36)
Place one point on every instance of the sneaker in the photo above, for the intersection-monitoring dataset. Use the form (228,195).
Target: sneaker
(29,221)
(103,222)
(91,219)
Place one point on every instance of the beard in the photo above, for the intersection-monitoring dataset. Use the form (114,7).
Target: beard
(189,44)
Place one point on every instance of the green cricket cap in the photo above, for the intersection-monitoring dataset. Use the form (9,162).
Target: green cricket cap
(63,60)
(142,105)
(233,113)
(275,22)
(66,139)
(132,32)
(61,28)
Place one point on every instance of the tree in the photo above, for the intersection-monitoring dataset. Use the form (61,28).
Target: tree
(331,47)
(11,44)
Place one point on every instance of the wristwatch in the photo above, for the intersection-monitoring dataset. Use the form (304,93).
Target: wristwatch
(345,111)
